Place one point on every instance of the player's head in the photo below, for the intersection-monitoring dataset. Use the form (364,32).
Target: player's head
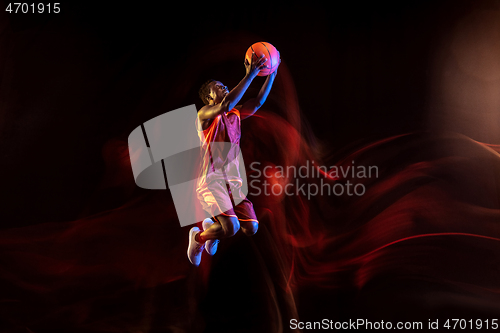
(212,92)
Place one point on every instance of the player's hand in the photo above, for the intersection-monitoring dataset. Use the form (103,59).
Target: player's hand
(255,65)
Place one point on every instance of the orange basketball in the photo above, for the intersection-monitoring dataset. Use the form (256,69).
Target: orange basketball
(269,51)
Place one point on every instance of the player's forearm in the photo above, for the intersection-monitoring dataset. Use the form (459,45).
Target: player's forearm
(234,96)
(264,91)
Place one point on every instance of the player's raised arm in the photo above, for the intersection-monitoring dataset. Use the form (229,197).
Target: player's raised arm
(219,100)
(253,104)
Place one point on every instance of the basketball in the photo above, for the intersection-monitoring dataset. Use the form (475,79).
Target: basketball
(269,51)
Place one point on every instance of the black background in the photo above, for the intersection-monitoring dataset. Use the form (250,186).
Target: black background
(72,80)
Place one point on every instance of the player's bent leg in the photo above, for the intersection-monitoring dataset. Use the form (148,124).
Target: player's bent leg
(227,226)
(249,227)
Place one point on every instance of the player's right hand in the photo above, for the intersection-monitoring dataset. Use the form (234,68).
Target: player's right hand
(256,65)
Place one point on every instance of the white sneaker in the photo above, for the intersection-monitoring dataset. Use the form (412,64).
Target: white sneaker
(210,245)
(195,249)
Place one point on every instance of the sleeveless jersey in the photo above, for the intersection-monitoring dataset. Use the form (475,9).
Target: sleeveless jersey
(220,147)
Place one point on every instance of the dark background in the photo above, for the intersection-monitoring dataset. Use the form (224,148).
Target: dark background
(74,80)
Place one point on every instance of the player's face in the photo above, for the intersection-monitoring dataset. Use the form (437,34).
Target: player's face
(217,92)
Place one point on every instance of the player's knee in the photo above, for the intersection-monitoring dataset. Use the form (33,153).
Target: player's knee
(250,228)
(232,227)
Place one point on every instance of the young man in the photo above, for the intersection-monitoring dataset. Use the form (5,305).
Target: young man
(219,185)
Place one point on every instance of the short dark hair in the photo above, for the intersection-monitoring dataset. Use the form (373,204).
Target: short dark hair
(205,91)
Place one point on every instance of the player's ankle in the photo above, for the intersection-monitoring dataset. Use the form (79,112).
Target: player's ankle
(198,238)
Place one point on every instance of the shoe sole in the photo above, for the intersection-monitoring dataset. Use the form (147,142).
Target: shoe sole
(192,234)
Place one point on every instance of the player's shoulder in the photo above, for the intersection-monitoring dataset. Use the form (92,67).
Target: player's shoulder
(205,112)
(204,108)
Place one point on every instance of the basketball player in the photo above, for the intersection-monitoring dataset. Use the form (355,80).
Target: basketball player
(220,184)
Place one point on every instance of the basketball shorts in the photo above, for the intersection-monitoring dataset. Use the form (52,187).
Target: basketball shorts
(215,200)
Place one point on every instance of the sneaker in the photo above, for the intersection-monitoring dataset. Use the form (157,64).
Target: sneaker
(195,249)
(210,245)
